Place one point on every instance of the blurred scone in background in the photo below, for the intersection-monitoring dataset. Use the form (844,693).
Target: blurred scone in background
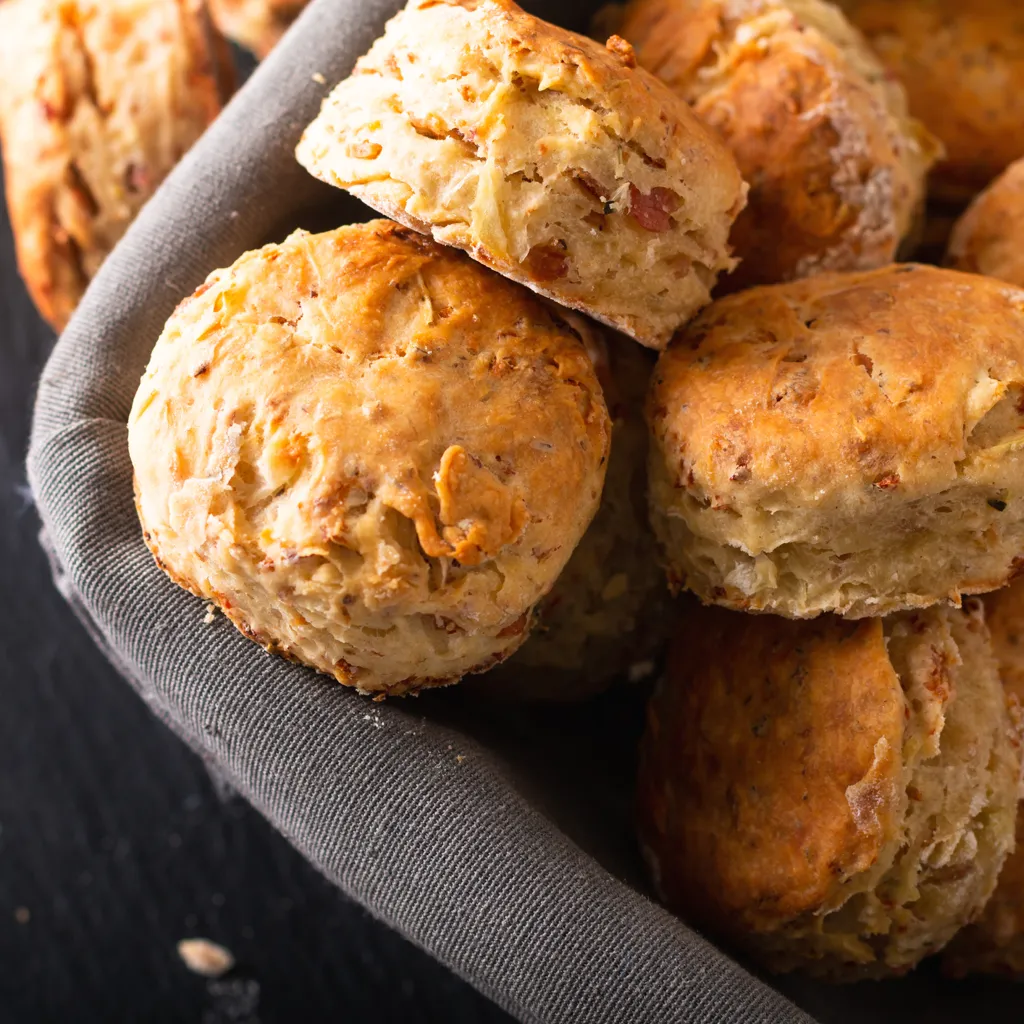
(99,99)
(256,24)
(821,133)
(962,64)
(989,238)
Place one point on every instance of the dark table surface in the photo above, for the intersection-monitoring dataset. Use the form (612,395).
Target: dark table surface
(115,842)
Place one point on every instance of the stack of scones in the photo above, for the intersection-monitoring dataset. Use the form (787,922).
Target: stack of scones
(633,363)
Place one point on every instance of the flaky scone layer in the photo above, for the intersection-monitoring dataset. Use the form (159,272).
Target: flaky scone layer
(850,443)
(542,154)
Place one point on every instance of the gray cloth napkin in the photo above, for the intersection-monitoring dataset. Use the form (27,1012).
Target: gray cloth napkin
(500,842)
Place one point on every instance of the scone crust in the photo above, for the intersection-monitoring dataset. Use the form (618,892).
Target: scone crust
(835,164)
(833,796)
(963,68)
(544,155)
(847,443)
(371,453)
(99,101)
(608,615)
(256,24)
(989,238)
(995,943)
(711,726)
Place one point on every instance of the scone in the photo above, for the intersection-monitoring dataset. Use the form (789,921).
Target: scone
(995,943)
(962,62)
(374,455)
(836,797)
(608,615)
(836,166)
(542,154)
(989,238)
(256,24)
(99,100)
(851,443)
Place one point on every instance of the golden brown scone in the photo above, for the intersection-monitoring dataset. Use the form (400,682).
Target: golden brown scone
(542,154)
(100,99)
(995,944)
(608,615)
(962,62)
(836,166)
(989,238)
(850,443)
(833,796)
(256,24)
(374,455)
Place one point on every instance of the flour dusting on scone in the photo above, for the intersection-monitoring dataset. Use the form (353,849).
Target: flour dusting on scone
(550,158)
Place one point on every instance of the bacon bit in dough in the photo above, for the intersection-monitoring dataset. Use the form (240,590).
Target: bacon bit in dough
(548,262)
(654,211)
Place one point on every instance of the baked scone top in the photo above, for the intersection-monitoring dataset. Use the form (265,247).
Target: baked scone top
(375,454)
(543,154)
(962,62)
(835,164)
(894,381)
